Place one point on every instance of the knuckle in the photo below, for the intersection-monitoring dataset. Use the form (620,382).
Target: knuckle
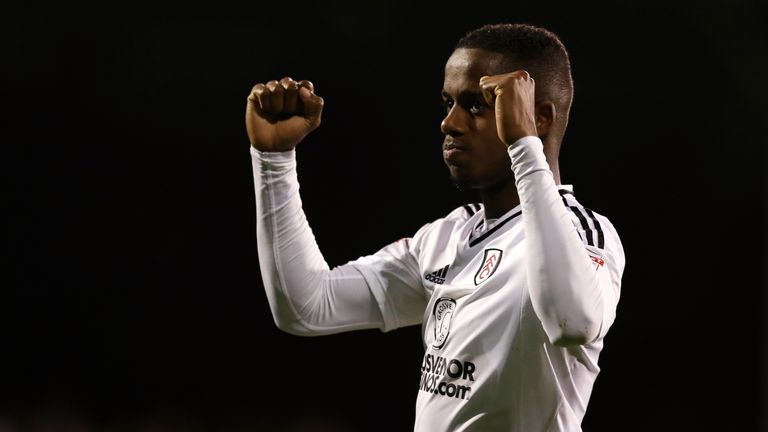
(290,85)
(278,90)
(307,83)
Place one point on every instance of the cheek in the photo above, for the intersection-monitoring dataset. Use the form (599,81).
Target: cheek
(486,129)
(493,147)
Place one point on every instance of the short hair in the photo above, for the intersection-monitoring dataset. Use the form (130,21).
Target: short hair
(535,49)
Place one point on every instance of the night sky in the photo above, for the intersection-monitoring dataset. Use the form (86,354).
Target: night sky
(131,296)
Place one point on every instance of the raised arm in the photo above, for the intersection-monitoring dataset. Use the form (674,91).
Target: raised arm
(306,297)
(574,297)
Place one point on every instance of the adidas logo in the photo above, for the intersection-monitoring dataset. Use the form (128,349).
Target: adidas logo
(437,276)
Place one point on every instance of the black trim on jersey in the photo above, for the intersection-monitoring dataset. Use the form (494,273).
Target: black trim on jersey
(493,230)
(587,230)
(479,224)
(584,224)
(600,237)
(469,210)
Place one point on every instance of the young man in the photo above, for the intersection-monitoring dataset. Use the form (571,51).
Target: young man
(515,295)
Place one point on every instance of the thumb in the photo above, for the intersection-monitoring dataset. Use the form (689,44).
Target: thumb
(313,106)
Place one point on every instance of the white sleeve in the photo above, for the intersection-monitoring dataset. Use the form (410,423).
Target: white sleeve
(574,295)
(393,276)
(305,296)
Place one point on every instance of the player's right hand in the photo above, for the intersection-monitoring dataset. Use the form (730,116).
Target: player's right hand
(279,114)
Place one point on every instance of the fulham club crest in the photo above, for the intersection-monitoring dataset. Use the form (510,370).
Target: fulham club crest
(443,314)
(491,260)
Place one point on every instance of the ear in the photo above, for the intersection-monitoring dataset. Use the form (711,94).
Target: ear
(545,117)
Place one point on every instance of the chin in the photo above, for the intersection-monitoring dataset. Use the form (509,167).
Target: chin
(460,184)
(464,180)
(460,178)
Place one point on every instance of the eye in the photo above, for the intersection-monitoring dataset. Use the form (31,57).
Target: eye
(447,105)
(476,107)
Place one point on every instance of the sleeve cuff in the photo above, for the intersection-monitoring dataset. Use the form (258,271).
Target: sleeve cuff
(286,156)
(527,156)
(276,162)
(525,146)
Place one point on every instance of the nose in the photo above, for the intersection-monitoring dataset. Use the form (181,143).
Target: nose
(454,123)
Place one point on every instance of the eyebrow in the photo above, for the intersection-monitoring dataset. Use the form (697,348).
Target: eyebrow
(466,97)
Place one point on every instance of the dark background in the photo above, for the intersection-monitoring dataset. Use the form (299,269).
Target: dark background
(132,297)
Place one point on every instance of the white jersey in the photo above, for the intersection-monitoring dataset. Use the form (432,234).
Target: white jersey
(488,361)
(513,313)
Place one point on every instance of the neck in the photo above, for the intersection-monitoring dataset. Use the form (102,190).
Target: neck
(552,154)
(502,197)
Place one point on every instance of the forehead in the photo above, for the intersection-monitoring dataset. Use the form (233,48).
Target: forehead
(466,66)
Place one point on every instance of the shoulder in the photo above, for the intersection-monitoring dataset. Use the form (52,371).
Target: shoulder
(448,223)
(459,215)
(595,229)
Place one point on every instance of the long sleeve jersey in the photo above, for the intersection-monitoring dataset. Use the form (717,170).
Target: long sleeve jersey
(513,311)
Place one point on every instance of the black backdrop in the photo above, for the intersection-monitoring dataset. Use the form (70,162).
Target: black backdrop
(133,297)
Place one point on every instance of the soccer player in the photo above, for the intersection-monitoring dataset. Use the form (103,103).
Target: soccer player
(515,295)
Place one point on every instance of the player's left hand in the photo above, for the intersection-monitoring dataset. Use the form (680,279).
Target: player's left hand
(513,97)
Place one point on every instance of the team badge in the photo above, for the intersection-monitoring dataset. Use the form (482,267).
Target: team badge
(443,314)
(491,260)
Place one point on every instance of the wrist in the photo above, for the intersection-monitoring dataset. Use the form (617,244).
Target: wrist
(527,156)
(527,141)
(275,156)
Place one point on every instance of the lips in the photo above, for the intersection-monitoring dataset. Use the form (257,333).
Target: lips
(451,145)
(453,150)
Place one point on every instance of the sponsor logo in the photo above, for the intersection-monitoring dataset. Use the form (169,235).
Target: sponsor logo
(447,377)
(491,260)
(437,276)
(442,313)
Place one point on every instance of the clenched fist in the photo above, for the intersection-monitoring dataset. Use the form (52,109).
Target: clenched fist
(280,114)
(513,96)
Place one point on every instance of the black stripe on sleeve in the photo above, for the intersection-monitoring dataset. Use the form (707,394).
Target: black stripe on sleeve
(600,236)
(494,229)
(469,210)
(562,193)
(584,224)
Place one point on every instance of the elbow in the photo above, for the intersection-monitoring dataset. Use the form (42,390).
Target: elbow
(288,320)
(294,327)
(575,320)
(567,334)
